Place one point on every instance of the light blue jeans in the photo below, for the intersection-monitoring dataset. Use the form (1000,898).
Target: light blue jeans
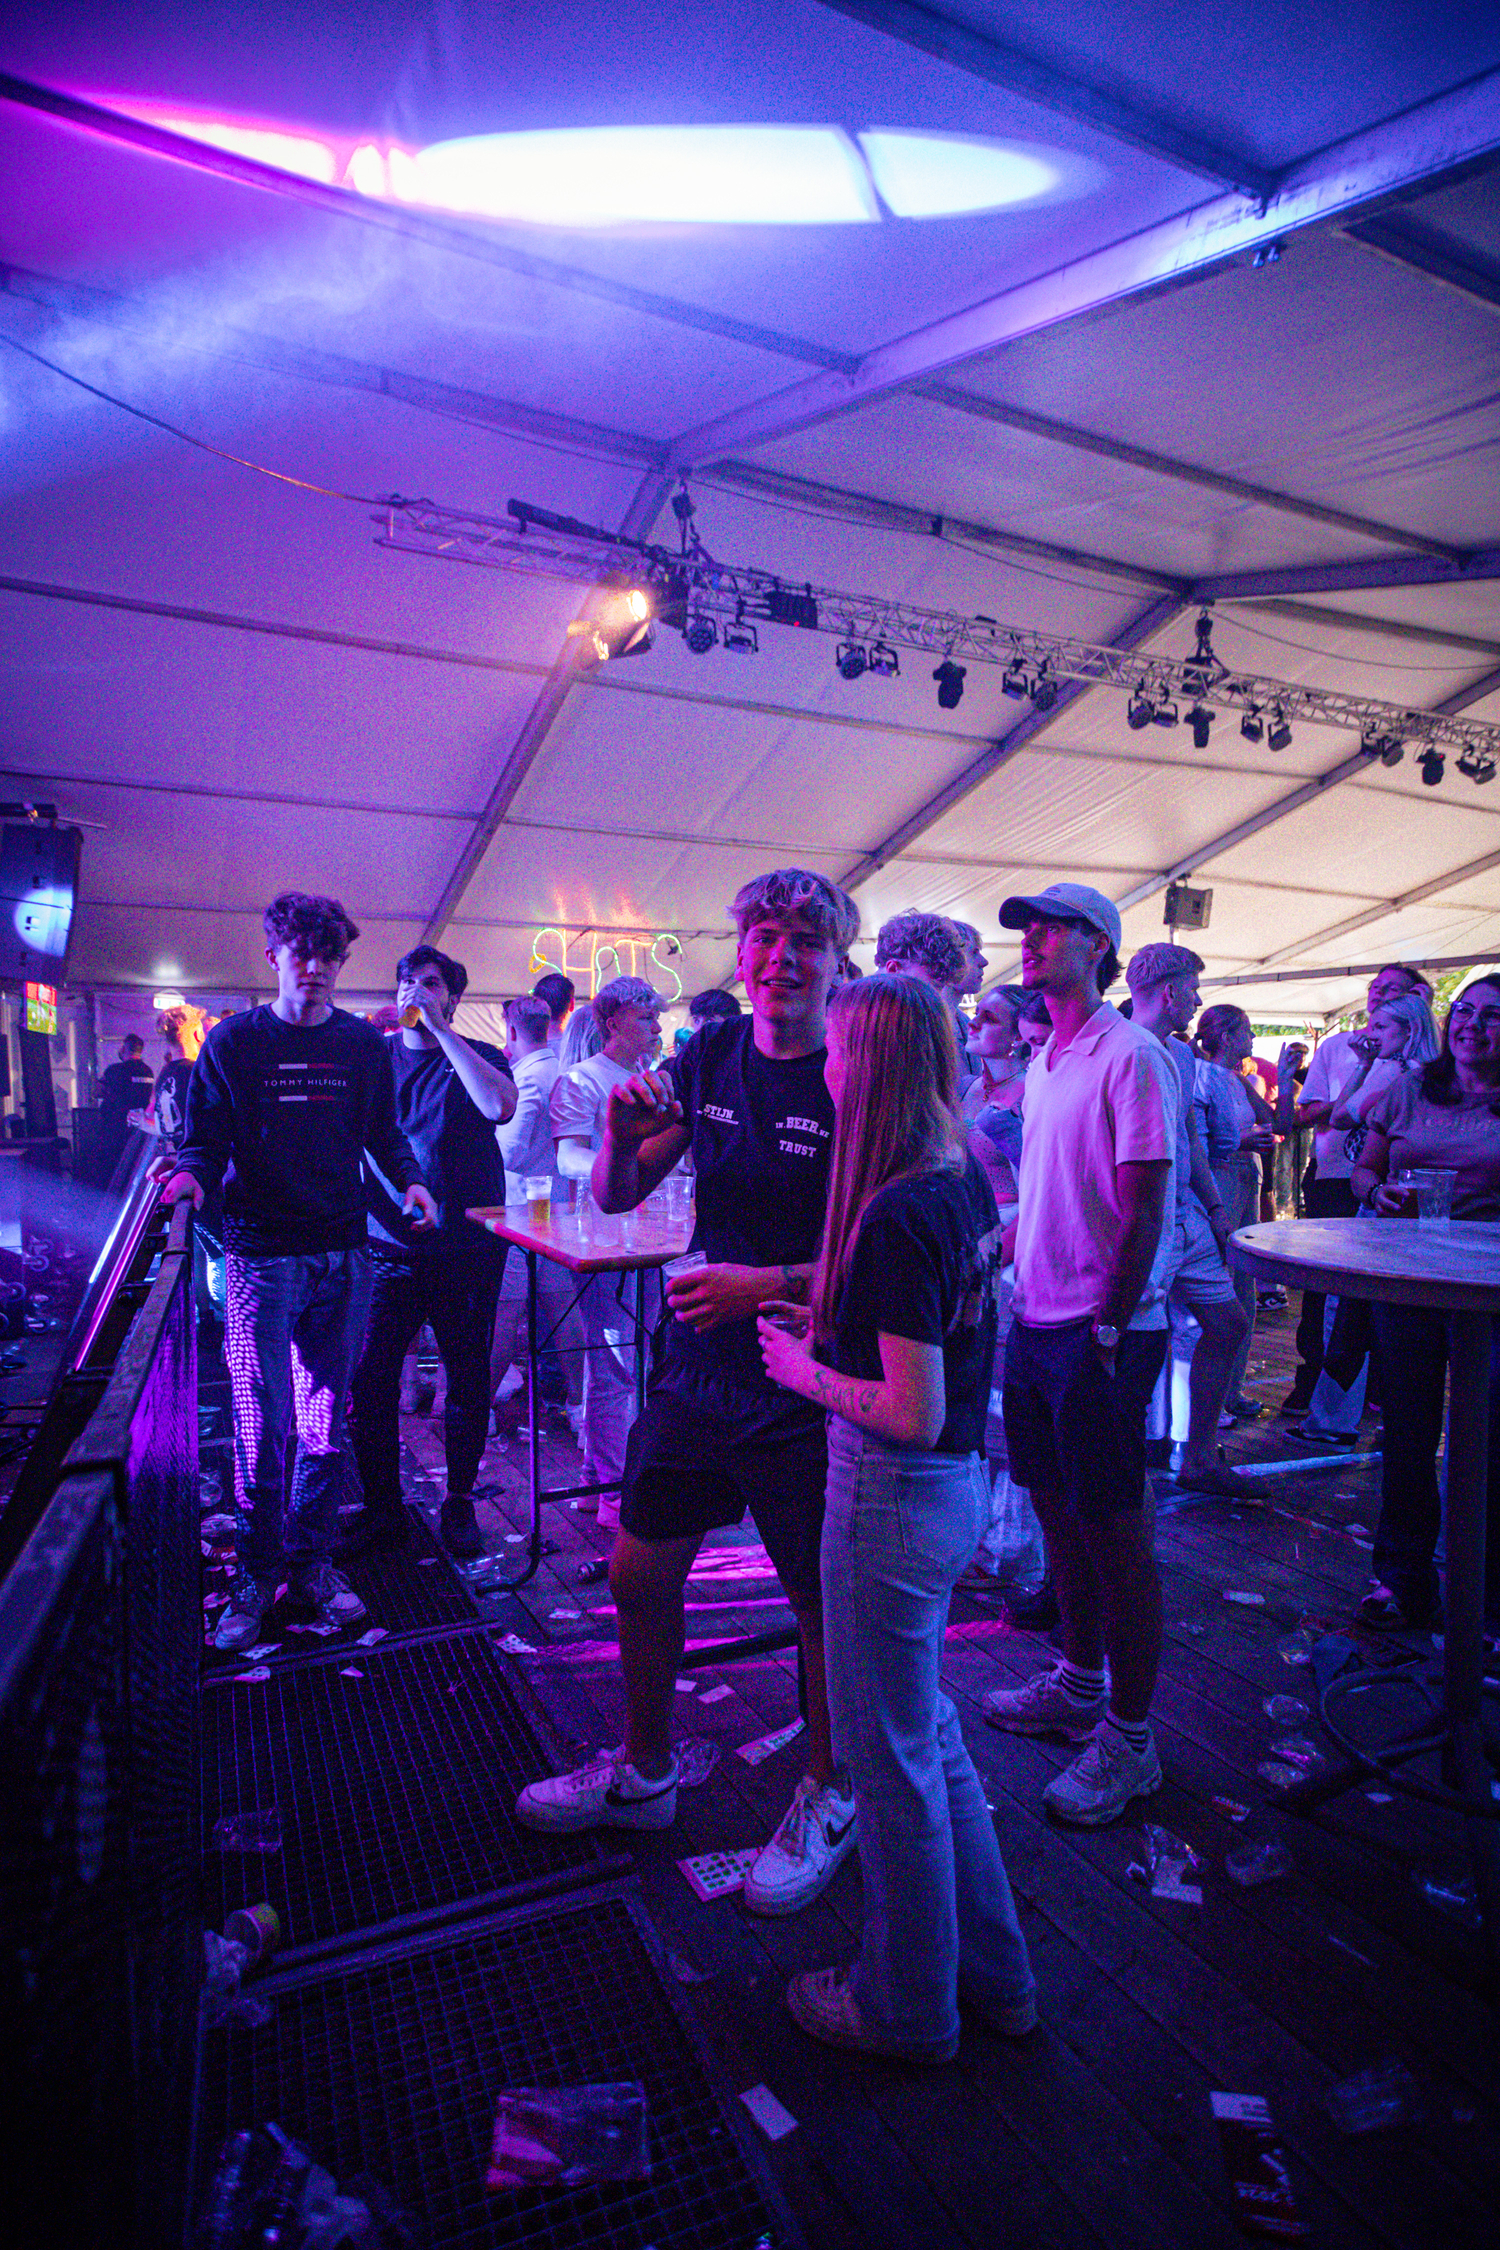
(1335,1412)
(899,1527)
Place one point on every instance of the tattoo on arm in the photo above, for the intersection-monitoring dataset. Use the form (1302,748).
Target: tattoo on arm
(795,1283)
(851,1400)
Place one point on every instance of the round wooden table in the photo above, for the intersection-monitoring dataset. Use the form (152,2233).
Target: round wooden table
(1453,1269)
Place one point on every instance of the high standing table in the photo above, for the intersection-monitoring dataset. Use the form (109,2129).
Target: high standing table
(653,1244)
(1452,1269)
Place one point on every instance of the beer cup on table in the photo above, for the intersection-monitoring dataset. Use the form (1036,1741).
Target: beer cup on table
(539,1199)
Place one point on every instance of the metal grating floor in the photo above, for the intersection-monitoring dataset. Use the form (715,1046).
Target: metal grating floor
(392,2068)
(406,1589)
(395,1790)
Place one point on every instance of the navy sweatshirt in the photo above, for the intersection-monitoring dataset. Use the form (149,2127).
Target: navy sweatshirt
(282,1114)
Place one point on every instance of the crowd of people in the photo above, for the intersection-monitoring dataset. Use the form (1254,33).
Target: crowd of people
(899,1208)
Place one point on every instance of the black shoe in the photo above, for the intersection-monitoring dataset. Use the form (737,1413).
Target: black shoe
(1158,1452)
(457,1529)
(1244,1409)
(369,1529)
(1295,1402)
(1036,1612)
(1319,1441)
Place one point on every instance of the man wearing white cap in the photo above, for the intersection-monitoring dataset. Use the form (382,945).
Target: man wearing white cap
(1100,1111)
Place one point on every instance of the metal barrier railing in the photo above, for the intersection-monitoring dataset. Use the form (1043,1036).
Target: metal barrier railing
(100,1920)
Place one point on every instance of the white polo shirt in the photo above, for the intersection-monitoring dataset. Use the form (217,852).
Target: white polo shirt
(1109,1098)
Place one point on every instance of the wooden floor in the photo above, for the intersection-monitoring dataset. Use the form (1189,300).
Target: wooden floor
(1098,2130)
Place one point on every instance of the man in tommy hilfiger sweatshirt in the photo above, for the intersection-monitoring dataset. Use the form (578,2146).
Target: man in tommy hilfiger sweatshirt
(284,1102)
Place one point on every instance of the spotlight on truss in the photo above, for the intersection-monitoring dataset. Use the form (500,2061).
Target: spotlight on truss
(1200,719)
(851,660)
(884,662)
(1165,714)
(1139,712)
(1251,726)
(1013,680)
(1476,766)
(950,684)
(1430,765)
(740,638)
(1043,690)
(1393,750)
(1280,733)
(701,633)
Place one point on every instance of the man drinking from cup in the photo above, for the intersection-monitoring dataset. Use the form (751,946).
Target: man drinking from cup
(451,1093)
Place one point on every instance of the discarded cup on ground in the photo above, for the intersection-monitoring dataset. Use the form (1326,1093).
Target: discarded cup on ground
(1286,1711)
(696,1760)
(1250,1863)
(571,2136)
(257,1928)
(1370,2101)
(249,1832)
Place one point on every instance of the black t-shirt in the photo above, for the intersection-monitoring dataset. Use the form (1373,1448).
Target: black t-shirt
(452,1140)
(926,1266)
(124,1086)
(762,1137)
(171,1101)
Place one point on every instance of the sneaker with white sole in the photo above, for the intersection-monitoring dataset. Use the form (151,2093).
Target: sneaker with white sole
(821,2002)
(1099,1785)
(329,1592)
(1043,1707)
(606,1793)
(816,1836)
(240,1625)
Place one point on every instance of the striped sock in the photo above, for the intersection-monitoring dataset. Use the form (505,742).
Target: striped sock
(1079,1686)
(1135,1734)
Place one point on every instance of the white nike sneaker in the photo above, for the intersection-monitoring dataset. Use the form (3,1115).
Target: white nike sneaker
(606,1793)
(814,1839)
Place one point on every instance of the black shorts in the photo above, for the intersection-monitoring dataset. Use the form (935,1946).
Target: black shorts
(689,1470)
(1072,1429)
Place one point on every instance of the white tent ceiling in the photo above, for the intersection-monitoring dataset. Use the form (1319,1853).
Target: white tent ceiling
(226,675)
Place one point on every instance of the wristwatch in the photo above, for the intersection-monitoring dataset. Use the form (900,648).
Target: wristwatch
(1105,1337)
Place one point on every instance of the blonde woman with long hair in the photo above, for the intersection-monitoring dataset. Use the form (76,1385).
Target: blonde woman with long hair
(897,1346)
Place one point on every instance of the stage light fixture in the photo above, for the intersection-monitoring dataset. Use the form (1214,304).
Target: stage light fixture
(702,634)
(1476,765)
(1280,733)
(950,684)
(1139,712)
(851,660)
(884,662)
(1200,719)
(1392,750)
(1251,727)
(740,638)
(1165,714)
(1043,691)
(1431,765)
(1013,681)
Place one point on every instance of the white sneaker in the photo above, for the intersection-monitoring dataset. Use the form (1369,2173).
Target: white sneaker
(1098,1786)
(814,1839)
(1042,1707)
(330,1593)
(607,1793)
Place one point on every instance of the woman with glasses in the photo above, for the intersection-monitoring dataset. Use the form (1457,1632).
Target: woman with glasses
(898,1348)
(1445,1116)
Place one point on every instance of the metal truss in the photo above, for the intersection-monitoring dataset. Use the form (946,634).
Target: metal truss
(692,586)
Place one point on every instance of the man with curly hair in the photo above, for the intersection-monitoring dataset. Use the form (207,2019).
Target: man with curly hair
(284,1103)
(941,953)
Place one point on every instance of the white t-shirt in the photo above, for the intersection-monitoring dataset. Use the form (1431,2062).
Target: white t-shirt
(581,1096)
(1334,1067)
(1109,1098)
(526,1138)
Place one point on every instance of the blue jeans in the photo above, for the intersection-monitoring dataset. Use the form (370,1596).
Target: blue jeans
(293,1328)
(900,1525)
(1335,1412)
